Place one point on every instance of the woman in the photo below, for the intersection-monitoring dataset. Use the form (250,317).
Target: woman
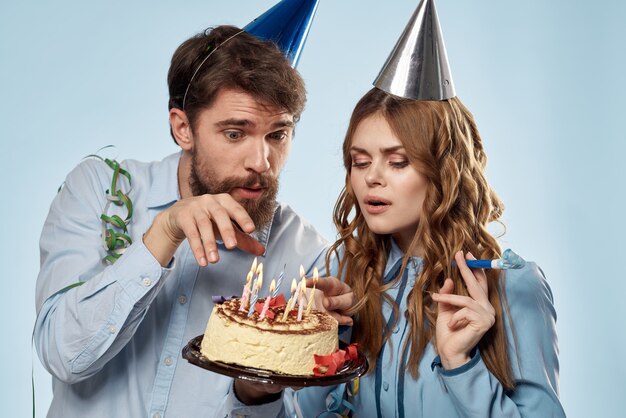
(442,340)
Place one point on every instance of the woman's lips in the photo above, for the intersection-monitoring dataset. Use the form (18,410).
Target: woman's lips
(376,209)
(376,205)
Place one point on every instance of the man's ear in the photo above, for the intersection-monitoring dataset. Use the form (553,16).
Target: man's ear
(181,129)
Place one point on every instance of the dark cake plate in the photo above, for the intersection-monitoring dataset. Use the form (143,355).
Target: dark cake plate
(350,370)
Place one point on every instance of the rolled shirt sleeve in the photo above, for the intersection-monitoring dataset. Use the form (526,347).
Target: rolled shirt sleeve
(79,329)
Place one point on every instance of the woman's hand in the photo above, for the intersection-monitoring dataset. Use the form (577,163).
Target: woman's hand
(333,296)
(462,320)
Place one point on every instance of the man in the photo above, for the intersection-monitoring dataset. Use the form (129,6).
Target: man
(111,334)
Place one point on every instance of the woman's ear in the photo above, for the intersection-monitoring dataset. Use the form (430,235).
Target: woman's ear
(181,129)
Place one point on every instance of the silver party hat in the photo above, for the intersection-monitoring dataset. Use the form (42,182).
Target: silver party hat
(418,65)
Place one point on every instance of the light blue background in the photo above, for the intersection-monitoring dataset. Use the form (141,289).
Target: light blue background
(544,79)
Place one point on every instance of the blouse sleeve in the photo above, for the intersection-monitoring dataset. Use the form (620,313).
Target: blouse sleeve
(533,353)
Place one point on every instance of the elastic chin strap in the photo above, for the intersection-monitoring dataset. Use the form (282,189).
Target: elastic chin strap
(202,63)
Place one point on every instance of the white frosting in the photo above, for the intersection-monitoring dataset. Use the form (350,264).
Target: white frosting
(283,347)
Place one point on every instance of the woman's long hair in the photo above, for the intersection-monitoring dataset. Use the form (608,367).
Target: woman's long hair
(443,144)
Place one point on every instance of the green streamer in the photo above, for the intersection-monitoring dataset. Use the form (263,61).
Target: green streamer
(115,229)
(116,238)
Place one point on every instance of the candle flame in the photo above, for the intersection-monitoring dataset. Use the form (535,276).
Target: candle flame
(259,269)
(294,286)
(273,286)
(253,268)
(249,278)
(302,285)
(301,271)
(316,275)
(259,281)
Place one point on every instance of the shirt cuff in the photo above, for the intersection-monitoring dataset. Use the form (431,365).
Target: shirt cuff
(474,359)
(138,272)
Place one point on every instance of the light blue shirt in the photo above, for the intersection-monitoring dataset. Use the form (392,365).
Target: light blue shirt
(470,390)
(113,345)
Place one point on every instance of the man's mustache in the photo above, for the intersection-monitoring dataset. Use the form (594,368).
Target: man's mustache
(257,180)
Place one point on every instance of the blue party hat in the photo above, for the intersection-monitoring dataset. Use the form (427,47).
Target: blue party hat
(287,24)
(418,65)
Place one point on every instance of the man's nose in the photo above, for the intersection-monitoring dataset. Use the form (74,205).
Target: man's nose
(258,156)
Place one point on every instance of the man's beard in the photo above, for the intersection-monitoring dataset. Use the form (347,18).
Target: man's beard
(203,180)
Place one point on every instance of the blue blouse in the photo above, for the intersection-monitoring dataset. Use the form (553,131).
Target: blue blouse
(470,390)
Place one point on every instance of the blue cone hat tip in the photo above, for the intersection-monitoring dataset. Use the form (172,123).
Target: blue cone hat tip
(287,24)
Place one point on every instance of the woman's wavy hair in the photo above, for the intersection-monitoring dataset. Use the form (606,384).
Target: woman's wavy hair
(443,143)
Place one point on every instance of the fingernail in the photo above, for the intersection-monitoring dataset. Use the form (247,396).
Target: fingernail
(212,256)
(230,243)
(203,261)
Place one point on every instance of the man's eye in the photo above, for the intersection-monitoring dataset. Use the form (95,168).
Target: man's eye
(233,135)
(278,136)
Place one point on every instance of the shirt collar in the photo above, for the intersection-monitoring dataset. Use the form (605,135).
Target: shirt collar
(164,187)
(263,235)
(394,261)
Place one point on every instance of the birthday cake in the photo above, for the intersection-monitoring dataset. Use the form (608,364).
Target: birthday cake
(264,337)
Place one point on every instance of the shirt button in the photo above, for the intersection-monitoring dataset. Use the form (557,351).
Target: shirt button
(396,329)
(156,415)
(112,329)
(385,386)
(146,281)
(168,361)
(182,299)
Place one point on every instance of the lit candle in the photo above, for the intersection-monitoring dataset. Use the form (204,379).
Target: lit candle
(290,302)
(268,300)
(258,269)
(245,296)
(280,280)
(255,293)
(302,272)
(309,306)
(246,292)
(301,298)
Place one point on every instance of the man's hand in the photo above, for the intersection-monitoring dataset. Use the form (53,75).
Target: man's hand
(201,220)
(333,296)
